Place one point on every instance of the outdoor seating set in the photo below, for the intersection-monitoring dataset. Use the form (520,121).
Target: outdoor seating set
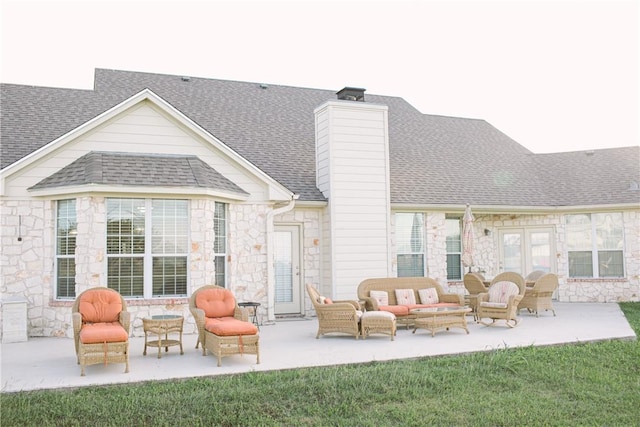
(101,321)
(101,326)
(421,302)
(508,293)
(385,302)
(348,317)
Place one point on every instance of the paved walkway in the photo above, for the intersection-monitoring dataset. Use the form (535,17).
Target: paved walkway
(46,363)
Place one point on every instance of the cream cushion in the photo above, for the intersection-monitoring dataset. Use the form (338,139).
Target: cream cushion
(428,296)
(499,294)
(378,315)
(405,296)
(381,297)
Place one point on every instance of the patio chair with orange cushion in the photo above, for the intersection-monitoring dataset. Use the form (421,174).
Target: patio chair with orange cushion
(223,327)
(501,301)
(101,328)
(539,296)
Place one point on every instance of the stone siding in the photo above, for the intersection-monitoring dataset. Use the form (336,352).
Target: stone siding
(28,253)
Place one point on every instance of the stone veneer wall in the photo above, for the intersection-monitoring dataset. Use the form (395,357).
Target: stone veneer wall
(569,290)
(247,259)
(27,265)
(27,270)
(487,250)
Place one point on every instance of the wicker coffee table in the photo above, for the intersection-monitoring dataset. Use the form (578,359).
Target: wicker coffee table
(162,326)
(440,318)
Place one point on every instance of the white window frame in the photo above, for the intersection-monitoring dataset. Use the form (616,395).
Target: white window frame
(459,253)
(594,248)
(71,224)
(220,249)
(402,246)
(148,255)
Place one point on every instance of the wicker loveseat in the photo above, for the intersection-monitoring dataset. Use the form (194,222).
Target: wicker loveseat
(369,291)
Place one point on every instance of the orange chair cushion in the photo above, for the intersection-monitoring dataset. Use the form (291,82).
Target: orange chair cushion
(100,305)
(216,302)
(229,326)
(93,333)
(398,310)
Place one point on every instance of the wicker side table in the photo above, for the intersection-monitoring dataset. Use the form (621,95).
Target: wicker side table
(162,326)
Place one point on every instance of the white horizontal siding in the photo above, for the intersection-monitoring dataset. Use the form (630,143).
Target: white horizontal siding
(358,191)
(141,130)
(323,151)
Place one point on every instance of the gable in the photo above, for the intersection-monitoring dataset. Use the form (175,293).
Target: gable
(146,128)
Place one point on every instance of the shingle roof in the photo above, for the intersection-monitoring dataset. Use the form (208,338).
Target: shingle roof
(433,159)
(139,170)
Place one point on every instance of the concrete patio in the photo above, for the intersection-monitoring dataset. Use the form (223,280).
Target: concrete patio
(49,363)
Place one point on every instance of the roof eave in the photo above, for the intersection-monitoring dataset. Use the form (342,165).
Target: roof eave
(147,191)
(507,209)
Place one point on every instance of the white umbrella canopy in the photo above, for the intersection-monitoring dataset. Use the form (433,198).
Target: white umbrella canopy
(468,238)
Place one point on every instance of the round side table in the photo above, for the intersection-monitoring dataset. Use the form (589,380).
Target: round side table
(254,306)
(162,326)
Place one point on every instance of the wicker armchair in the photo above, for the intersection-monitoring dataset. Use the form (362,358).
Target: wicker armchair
(501,300)
(337,316)
(534,275)
(539,296)
(473,284)
(223,327)
(101,328)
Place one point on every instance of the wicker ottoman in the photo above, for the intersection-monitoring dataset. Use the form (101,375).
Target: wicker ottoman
(378,322)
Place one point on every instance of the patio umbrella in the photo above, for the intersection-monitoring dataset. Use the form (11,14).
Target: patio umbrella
(467,238)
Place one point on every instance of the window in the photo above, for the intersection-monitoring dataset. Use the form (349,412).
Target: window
(454,248)
(220,243)
(595,243)
(410,244)
(147,247)
(66,231)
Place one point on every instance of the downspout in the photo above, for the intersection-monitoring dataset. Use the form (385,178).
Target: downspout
(271,278)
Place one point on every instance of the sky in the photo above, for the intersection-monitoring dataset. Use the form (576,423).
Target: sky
(556,76)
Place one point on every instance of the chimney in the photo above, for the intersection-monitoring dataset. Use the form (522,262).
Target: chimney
(351,94)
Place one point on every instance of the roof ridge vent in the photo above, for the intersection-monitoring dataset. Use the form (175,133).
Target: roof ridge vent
(351,94)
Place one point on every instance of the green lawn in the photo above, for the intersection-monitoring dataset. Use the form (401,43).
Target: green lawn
(592,384)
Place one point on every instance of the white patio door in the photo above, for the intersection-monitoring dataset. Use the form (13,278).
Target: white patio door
(288,285)
(524,250)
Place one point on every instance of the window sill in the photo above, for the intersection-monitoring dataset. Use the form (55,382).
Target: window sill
(130,302)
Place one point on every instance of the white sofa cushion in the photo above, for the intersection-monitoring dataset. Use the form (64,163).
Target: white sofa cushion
(428,296)
(405,297)
(381,297)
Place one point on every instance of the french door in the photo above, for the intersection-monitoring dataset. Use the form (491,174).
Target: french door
(524,250)
(288,285)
